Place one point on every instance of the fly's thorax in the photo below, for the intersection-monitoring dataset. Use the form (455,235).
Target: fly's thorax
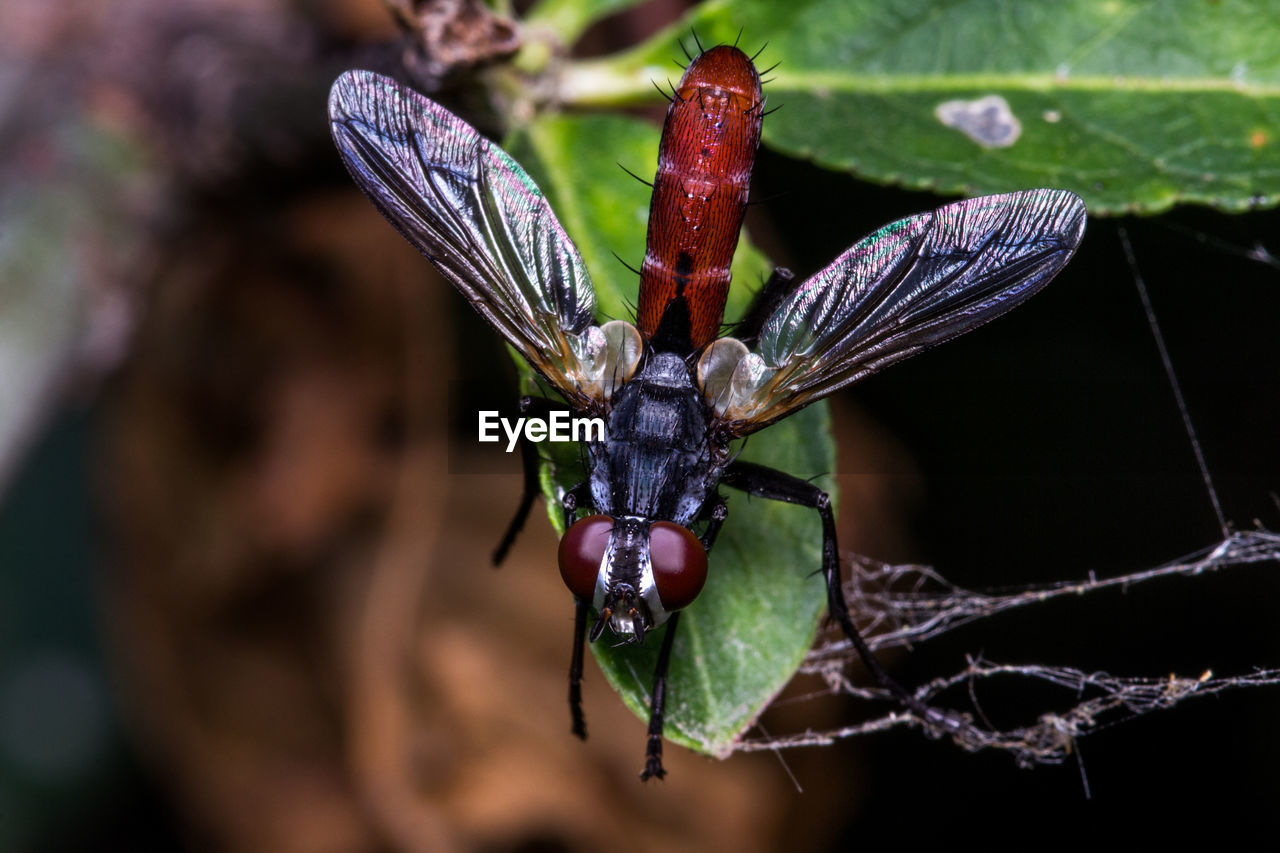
(658,461)
(667,370)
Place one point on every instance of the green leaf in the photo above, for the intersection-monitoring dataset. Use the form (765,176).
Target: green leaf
(741,641)
(568,18)
(1133,105)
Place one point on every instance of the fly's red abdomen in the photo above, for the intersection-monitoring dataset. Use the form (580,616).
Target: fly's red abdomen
(699,198)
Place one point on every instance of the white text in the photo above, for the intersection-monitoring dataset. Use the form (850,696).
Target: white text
(559,427)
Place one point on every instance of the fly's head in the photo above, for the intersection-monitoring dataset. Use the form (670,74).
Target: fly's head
(634,571)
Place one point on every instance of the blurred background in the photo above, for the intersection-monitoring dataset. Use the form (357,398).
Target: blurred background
(245,595)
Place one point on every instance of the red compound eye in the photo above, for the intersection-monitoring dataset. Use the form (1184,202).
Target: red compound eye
(679,564)
(581,550)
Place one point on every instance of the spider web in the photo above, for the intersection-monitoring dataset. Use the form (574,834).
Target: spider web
(908,605)
(912,604)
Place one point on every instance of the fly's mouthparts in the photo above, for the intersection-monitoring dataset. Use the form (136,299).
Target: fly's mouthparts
(626,614)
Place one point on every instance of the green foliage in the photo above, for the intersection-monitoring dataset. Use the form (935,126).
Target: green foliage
(1135,106)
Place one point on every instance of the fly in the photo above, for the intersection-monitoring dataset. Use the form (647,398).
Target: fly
(674,395)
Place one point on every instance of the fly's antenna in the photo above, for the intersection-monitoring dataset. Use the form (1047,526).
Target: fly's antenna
(634,175)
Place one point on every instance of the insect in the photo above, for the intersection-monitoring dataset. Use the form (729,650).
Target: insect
(675,395)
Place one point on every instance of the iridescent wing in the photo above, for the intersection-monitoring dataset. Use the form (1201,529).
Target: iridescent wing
(911,285)
(475,214)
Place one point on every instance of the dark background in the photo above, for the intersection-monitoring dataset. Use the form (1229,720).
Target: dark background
(137,592)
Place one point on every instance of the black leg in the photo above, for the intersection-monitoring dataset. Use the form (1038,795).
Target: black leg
(719,512)
(541,407)
(776,485)
(529,458)
(579,726)
(766,300)
(658,698)
(578,495)
(657,702)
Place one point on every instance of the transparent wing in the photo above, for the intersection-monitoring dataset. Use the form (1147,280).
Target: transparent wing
(475,214)
(911,285)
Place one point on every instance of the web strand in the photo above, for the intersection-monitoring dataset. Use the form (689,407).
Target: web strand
(904,605)
(1173,383)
